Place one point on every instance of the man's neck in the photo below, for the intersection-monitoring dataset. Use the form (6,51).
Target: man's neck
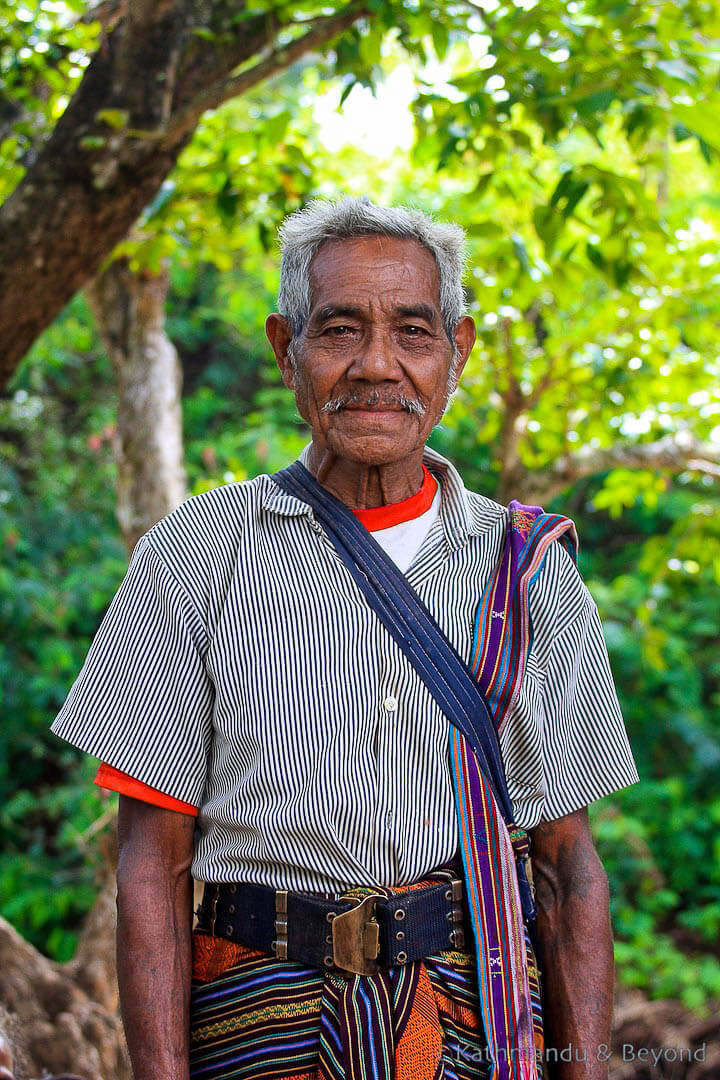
(365,487)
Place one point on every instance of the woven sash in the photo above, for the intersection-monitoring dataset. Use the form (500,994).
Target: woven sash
(503,633)
(501,643)
(498,893)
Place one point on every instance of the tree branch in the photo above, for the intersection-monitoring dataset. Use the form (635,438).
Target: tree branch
(90,179)
(278,59)
(107,12)
(141,13)
(672,454)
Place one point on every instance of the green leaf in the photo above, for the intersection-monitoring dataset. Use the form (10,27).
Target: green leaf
(676,69)
(114,118)
(570,191)
(548,226)
(483,183)
(702,120)
(92,142)
(485,228)
(440,38)
(347,91)
(598,102)
(596,256)
(521,252)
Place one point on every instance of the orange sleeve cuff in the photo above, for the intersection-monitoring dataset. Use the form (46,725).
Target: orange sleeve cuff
(113,780)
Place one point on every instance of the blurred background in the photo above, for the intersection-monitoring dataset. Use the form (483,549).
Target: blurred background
(578,143)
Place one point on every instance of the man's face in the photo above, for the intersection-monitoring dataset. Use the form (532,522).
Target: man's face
(372,365)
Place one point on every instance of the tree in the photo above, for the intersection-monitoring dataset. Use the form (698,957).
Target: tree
(150,79)
(158,66)
(129,310)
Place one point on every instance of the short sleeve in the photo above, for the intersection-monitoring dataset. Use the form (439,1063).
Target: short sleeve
(585,749)
(143,700)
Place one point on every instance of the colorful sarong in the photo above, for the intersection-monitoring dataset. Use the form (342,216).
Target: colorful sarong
(258,1018)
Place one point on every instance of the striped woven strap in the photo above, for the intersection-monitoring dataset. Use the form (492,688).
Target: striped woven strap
(501,644)
(503,629)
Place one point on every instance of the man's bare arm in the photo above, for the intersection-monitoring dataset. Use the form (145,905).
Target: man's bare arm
(575,944)
(155,899)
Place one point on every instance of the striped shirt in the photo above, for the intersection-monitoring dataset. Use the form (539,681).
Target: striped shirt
(238,669)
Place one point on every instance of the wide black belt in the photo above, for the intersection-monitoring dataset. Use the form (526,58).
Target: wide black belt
(352,935)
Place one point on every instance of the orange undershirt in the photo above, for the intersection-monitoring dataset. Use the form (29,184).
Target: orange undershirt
(113,780)
(383,517)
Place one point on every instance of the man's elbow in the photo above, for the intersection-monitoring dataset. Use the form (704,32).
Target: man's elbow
(155,849)
(568,873)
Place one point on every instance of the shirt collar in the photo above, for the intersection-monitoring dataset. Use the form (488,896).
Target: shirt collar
(460,518)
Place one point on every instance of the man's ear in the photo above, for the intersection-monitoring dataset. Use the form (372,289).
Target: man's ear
(465,335)
(280,335)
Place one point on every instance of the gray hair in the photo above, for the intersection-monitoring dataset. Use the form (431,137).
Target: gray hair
(302,233)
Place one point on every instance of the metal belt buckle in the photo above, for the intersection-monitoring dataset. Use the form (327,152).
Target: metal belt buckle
(355,938)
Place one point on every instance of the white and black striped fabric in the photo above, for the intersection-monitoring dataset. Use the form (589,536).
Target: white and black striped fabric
(239,669)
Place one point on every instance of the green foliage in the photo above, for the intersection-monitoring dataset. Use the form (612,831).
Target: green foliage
(659,840)
(44,49)
(62,560)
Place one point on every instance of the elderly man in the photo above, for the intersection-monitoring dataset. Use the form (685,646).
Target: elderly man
(300,691)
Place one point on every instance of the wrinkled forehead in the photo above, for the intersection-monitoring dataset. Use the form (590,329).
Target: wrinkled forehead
(366,269)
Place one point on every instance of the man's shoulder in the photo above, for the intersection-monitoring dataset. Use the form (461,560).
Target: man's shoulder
(213,518)
(485,513)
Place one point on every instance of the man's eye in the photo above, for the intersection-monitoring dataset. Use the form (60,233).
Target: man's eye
(414,331)
(338,331)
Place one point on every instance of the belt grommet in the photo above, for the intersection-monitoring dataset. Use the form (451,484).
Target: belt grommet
(400,936)
(229,930)
(402,958)
(328,961)
(330,916)
(399,914)
(273,947)
(231,909)
(328,939)
(448,894)
(232,888)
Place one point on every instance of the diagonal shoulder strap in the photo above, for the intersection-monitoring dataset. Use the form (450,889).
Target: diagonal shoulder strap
(410,624)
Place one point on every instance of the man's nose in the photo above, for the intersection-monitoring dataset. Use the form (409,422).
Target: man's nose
(376,359)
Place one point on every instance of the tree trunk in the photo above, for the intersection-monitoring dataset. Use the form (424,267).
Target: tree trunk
(129,310)
(136,108)
(63,1018)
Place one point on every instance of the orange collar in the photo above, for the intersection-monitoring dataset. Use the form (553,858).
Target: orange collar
(384,517)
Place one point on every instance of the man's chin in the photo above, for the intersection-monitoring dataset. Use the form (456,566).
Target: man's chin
(374,448)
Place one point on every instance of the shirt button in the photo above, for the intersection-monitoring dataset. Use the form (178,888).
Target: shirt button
(390,704)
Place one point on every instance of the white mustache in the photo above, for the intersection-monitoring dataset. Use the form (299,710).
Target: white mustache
(411,405)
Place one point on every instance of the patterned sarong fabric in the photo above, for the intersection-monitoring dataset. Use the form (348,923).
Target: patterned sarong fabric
(259,1018)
